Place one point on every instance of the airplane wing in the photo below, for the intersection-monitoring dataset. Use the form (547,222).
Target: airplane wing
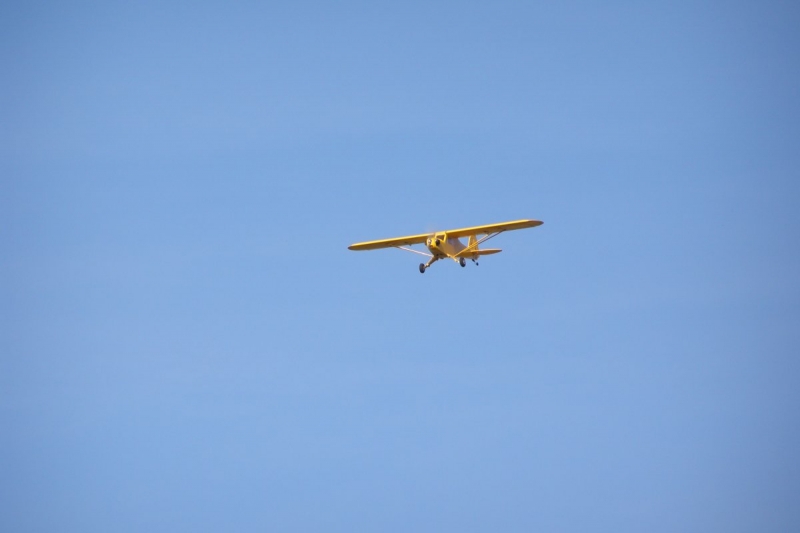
(462,232)
(493,228)
(390,243)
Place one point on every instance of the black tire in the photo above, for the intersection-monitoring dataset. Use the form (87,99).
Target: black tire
(462,262)
(422,268)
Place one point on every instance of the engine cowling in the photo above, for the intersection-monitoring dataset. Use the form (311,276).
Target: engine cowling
(435,242)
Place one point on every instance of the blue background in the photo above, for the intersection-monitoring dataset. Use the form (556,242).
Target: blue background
(186,344)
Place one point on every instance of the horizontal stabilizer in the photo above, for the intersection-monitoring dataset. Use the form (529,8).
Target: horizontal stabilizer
(487,251)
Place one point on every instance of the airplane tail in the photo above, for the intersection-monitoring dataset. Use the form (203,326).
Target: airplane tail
(474,252)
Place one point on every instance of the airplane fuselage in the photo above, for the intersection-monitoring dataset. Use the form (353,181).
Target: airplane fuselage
(440,245)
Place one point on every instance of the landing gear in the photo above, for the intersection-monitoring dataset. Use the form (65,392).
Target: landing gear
(462,262)
(424,266)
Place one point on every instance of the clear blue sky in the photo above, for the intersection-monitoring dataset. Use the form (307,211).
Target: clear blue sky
(186,344)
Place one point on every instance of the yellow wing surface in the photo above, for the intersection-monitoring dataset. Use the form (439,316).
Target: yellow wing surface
(461,232)
(390,243)
(494,228)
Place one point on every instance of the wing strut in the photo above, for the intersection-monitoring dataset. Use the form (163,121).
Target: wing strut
(413,251)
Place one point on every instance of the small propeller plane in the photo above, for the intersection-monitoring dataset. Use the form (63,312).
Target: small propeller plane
(443,244)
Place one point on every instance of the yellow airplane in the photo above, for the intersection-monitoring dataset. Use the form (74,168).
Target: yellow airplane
(444,244)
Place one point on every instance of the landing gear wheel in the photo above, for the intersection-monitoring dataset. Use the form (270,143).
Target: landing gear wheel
(462,262)
(422,268)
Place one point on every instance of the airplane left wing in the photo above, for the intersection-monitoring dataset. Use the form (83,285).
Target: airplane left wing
(390,243)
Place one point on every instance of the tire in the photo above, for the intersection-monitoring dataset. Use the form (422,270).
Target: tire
(422,268)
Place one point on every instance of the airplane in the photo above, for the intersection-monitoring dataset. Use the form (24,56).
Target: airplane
(443,244)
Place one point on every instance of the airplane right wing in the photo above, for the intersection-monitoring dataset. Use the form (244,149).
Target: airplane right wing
(494,228)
